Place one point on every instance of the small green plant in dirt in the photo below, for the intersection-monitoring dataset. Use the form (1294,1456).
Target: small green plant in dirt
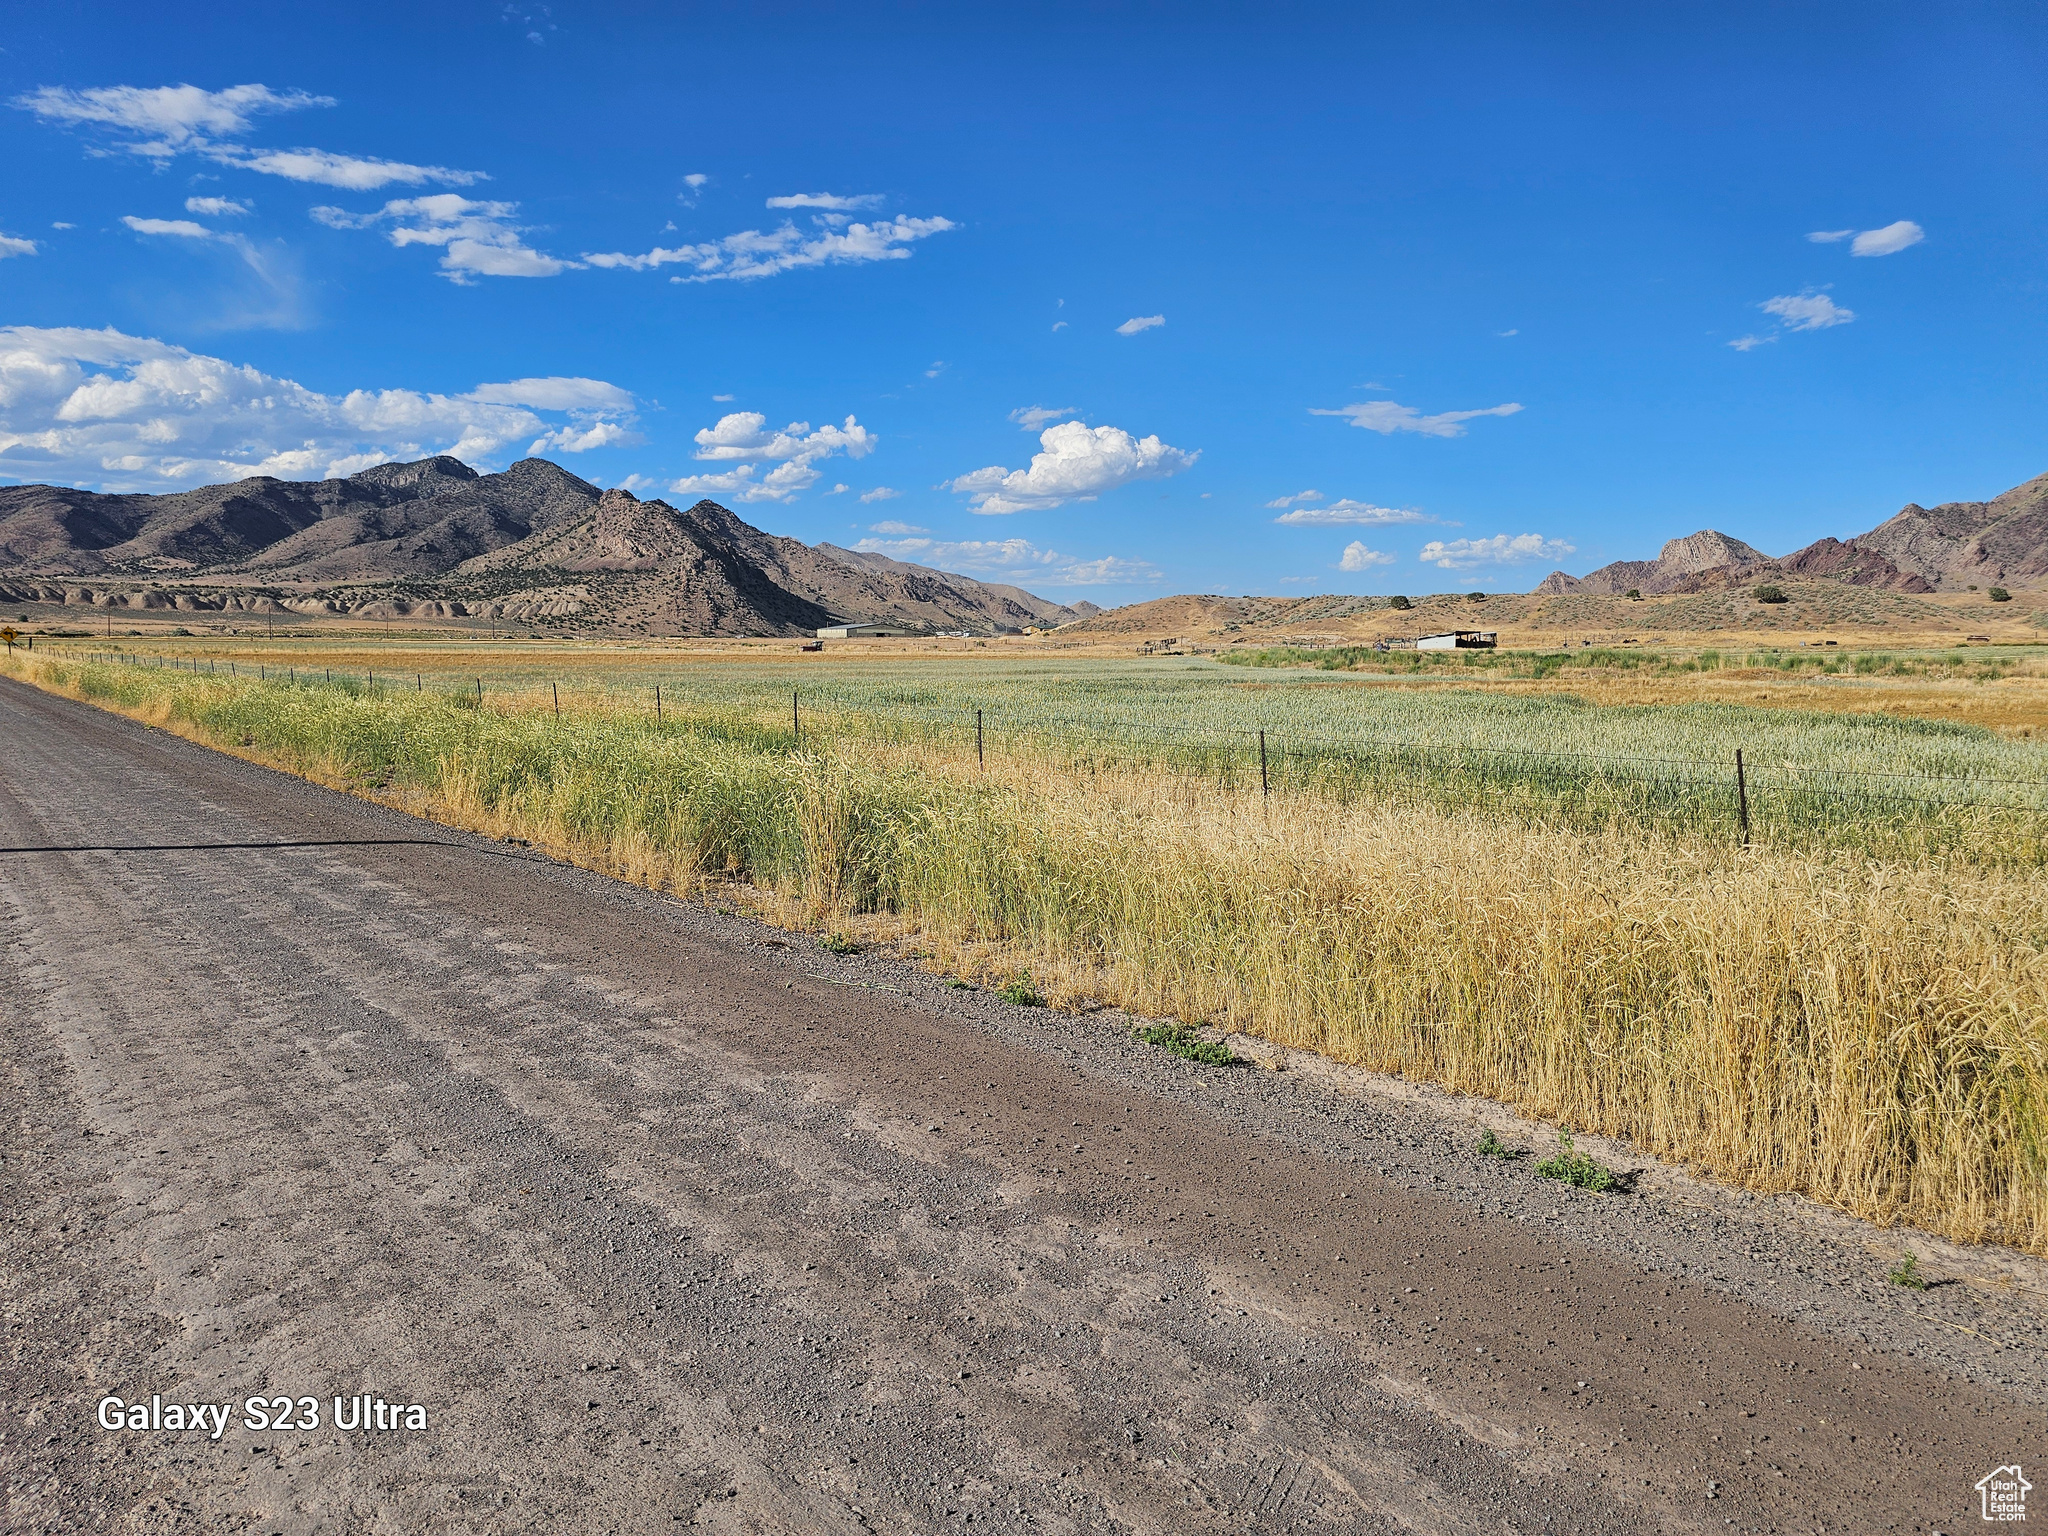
(1907,1273)
(1184,1040)
(1019,990)
(1491,1145)
(839,944)
(959,985)
(1570,1166)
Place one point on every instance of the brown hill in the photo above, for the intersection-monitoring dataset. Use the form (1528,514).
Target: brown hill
(2001,542)
(436,537)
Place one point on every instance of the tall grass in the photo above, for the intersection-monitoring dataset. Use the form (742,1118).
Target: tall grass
(1874,1034)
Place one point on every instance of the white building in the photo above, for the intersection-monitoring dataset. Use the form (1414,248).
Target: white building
(1460,640)
(866,632)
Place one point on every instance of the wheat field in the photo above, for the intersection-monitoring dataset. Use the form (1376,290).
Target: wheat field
(1870,1032)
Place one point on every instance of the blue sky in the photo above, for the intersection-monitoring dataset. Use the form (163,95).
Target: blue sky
(764,252)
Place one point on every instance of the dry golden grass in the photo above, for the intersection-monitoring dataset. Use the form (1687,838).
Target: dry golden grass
(1873,1035)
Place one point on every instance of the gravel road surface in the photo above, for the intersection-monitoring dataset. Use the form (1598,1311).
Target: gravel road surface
(665,1219)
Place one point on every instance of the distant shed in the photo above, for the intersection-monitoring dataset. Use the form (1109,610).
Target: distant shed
(1460,640)
(866,632)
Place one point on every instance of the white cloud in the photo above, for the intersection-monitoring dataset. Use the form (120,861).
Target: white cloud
(743,438)
(880,493)
(128,413)
(61,225)
(892,526)
(1013,560)
(1385,417)
(163,120)
(1358,558)
(1501,549)
(935,370)
(840,489)
(1515,331)
(1138,323)
(1829,236)
(581,439)
(1888,241)
(754,254)
(1078,463)
(476,238)
(1346,513)
(556,394)
(184,228)
(693,183)
(827,201)
(1288,501)
(1751,343)
(1033,417)
(215,207)
(14,245)
(720,399)
(1059,325)
(1808,311)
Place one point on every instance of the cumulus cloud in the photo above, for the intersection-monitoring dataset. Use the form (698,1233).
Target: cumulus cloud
(1809,311)
(827,201)
(1013,560)
(1138,323)
(14,245)
(1345,513)
(1888,241)
(128,413)
(164,121)
(1386,418)
(1288,501)
(892,526)
(1033,417)
(476,238)
(1358,558)
(1077,463)
(215,207)
(581,439)
(1501,549)
(880,493)
(744,439)
(754,254)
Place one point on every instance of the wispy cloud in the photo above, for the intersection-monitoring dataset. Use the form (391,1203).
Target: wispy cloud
(1346,513)
(1298,496)
(1358,558)
(754,254)
(181,227)
(215,207)
(1501,549)
(880,493)
(1138,323)
(1014,559)
(744,440)
(1076,463)
(162,122)
(892,526)
(1829,236)
(693,184)
(828,201)
(1888,241)
(1808,311)
(1032,417)
(128,413)
(1751,343)
(477,239)
(1386,418)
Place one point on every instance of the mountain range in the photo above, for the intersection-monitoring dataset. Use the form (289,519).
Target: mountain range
(435,538)
(2001,542)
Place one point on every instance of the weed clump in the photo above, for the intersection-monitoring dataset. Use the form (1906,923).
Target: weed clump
(1907,1273)
(1183,1040)
(839,944)
(1570,1166)
(1491,1145)
(1019,990)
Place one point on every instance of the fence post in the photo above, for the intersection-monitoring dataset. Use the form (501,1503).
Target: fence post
(1265,785)
(796,724)
(1742,797)
(657,703)
(418,683)
(979,760)
(479,693)
(555,689)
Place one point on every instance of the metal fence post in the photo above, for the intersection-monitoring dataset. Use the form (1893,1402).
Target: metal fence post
(796,725)
(1265,785)
(980,761)
(657,703)
(555,689)
(1742,797)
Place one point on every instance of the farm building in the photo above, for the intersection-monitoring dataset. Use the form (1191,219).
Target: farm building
(1460,640)
(865,632)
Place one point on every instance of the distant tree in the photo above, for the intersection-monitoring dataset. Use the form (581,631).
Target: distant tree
(1400,602)
(1475,597)
(1634,594)
(1770,594)
(2000,595)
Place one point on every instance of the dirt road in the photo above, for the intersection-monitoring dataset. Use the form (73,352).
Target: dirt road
(663,1221)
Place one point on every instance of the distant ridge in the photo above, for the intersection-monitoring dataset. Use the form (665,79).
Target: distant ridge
(435,538)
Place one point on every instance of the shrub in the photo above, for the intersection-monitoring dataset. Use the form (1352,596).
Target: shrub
(1018,990)
(1769,594)
(1399,603)
(1475,597)
(1634,594)
(1182,1040)
(1570,1166)
(2000,595)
